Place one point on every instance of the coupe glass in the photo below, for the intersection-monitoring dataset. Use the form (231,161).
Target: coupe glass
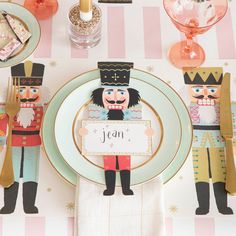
(192,17)
(42,9)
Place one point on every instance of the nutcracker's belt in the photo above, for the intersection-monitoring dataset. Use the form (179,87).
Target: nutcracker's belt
(19,132)
(206,127)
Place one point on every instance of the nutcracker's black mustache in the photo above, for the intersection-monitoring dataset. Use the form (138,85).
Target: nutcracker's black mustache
(115,102)
(29,99)
(202,96)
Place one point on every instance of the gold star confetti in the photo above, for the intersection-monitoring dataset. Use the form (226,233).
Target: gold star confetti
(150,68)
(53,63)
(70,206)
(168,82)
(226,63)
(49,189)
(181,177)
(173,209)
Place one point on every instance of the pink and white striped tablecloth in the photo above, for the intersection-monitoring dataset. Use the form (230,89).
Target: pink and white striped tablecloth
(140,32)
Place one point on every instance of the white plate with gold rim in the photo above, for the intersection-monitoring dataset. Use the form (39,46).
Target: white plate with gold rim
(167,127)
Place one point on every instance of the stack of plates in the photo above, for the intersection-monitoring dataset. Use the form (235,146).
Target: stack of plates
(161,104)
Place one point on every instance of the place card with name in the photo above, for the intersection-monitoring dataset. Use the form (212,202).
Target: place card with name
(116,138)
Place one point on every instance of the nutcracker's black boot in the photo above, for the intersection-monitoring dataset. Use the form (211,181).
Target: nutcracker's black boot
(203,196)
(110,178)
(29,195)
(10,196)
(221,198)
(125,182)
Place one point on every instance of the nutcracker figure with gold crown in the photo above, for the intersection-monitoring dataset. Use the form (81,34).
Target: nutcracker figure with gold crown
(204,86)
(116,101)
(26,139)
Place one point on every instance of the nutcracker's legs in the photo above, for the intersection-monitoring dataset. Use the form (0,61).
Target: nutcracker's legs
(29,195)
(110,178)
(10,196)
(203,196)
(221,198)
(125,182)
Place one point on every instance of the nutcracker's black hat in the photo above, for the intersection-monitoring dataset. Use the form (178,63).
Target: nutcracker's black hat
(115,73)
(29,73)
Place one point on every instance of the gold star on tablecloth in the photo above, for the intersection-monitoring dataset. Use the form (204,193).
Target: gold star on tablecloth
(53,63)
(150,68)
(181,177)
(70,206)
(49,189)
(226,63)
(168,82)
(173,209)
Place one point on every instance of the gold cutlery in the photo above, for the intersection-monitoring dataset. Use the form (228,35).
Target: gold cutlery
(226,128)
(12,108)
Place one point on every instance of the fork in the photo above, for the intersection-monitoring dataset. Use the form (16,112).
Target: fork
(12,108)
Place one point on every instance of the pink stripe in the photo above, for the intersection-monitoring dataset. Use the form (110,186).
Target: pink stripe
(78,53)
(70,226)
(34,226)
(152,32)
(225,37)
(1,225)
(204,227)
(169,227)
(116,32)
(44,48)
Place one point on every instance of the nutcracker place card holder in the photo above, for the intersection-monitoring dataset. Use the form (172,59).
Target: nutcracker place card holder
(23,126)
(114,129)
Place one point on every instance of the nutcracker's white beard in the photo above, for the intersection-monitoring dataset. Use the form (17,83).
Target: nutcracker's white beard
(207,114)
(25,116)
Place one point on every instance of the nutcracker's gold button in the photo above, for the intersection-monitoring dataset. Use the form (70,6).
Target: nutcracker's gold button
(38,121)
(24,137)
(37,127)
(38,115)
(23,142)
(38,109)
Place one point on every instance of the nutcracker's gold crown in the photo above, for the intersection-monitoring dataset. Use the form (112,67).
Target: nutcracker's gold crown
(203,75)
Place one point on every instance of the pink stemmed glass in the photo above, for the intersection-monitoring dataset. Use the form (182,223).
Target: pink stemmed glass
(192,17)
(42,9)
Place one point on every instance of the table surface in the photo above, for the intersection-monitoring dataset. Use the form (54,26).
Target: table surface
(140,32)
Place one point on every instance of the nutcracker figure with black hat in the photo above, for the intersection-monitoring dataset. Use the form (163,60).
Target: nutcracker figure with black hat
(115,101)
(26,139)
(204,86)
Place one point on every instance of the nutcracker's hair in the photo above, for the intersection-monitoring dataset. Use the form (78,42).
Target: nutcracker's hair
(97,97)
(133,94)
(134,97)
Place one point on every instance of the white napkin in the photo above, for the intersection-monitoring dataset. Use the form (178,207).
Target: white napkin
(139,215)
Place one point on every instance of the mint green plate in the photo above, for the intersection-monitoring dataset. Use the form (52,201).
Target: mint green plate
(171,168)
(155,165)
(33,26)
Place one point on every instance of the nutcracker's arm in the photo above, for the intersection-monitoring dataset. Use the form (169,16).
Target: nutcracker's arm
(136,112)
(96,112)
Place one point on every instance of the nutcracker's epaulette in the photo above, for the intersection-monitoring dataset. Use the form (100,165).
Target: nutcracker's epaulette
(100,113)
